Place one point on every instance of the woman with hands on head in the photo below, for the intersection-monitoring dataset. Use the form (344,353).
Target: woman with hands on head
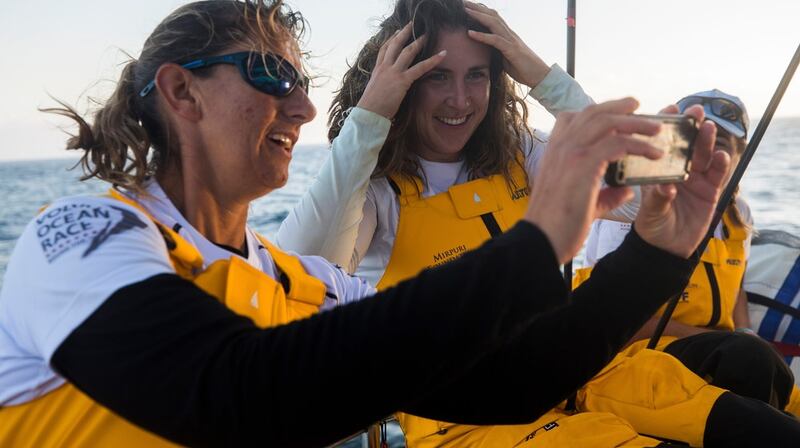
(393,127)
(445,161)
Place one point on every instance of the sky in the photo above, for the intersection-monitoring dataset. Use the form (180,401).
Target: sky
(657,51)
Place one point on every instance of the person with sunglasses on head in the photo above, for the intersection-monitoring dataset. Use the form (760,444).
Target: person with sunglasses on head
(153,315)
(448,169)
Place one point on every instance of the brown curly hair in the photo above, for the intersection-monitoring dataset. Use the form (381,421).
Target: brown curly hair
(498,140)
(128,140)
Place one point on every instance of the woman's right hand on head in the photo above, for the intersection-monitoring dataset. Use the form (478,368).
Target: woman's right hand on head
(393,74)
(521,63)
(567,195)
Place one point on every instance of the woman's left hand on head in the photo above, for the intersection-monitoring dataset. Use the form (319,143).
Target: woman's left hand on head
(521,63)
(393,73)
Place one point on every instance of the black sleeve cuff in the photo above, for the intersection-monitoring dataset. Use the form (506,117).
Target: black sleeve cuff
(662,272)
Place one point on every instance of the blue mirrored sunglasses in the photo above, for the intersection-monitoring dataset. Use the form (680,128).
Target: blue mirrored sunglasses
(718,107)
(268,73)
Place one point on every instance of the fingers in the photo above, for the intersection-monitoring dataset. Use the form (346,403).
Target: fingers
(422,67)
(493,40)
(618,146)
(610,198)
(478,7)
(408,53)
(657,199)
(396,43)
(598,120)
(697,112)
(382,52)
(600,126)
(706,185)
(487,17)
(671,109)
(704,146)
(625,105)
(718,169)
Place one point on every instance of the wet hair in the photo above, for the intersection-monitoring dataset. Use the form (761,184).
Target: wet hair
(129,140)
(496,143)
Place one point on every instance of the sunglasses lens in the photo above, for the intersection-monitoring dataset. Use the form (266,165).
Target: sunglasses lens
(272,75)
(688,102)
(721,108)
(725,110)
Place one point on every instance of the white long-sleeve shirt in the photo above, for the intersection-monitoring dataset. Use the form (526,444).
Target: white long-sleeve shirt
(351,219)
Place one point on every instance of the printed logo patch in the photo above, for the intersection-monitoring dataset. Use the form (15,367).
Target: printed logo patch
(448,255)
(63,228)
(520,193)
(548,427)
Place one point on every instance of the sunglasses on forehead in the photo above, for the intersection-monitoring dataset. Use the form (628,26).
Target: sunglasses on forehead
(718,107)
(267,73)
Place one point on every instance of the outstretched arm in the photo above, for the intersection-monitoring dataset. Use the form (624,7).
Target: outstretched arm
(567,344)
(170,358)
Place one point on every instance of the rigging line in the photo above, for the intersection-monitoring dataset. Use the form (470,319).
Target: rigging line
(571,72)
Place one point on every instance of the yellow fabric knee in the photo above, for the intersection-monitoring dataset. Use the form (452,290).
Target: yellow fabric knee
(425,433)
(657,394)
(556,429)
(793,406)
(586,430)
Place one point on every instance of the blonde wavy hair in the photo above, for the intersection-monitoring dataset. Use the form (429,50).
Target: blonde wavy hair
(128,140)
(498,140)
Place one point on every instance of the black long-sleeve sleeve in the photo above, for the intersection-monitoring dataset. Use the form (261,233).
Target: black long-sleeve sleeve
(173,360)
(485,339)
(568,342)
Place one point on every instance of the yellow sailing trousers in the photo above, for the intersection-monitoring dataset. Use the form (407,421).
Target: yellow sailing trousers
(654,392)
(557,428)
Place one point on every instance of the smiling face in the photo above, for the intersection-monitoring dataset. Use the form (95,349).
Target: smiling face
(249,135)
(452,99)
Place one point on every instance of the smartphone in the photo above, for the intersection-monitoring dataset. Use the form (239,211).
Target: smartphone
(676,140)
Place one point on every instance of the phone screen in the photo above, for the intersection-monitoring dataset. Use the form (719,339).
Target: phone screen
(675,140)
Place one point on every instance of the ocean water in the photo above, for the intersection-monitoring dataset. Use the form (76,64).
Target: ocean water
(771,186)
(29,185)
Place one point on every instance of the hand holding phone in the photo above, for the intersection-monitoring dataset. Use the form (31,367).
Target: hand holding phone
(675,139)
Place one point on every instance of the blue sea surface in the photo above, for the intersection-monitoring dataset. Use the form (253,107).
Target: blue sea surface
(28,186)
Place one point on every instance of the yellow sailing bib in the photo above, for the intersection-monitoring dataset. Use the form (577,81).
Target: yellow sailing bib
(438,229)
(711,294)
(435,230)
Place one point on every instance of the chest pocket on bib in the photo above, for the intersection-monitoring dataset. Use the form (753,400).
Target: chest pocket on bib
(251,293)
(474,198)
